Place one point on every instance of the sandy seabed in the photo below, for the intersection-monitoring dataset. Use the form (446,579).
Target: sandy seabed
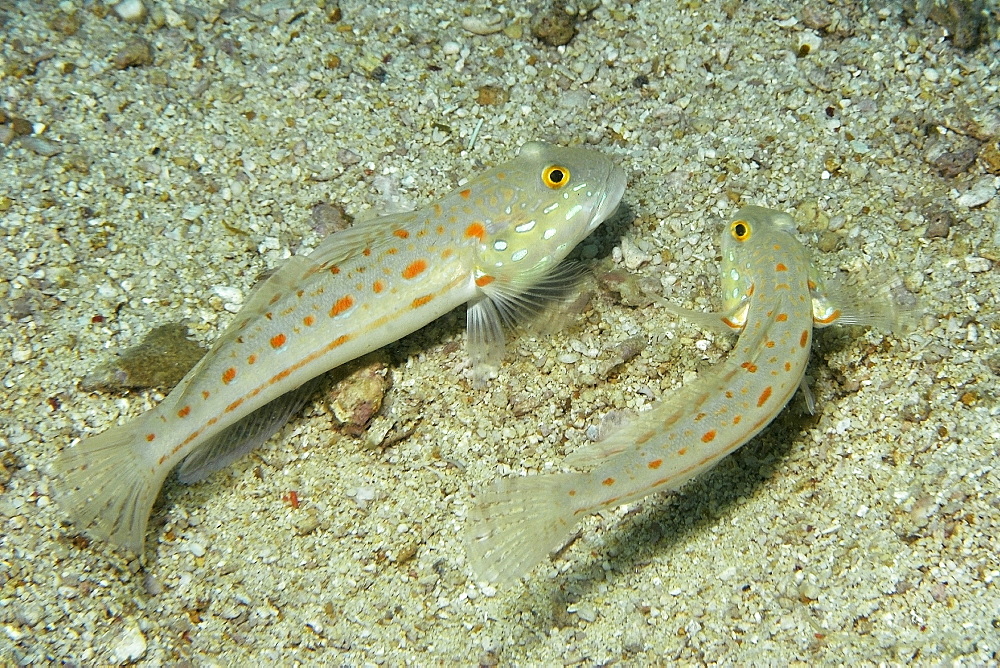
(150,172)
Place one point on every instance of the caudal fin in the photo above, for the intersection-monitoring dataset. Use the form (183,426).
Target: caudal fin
(107,487)
(517,523)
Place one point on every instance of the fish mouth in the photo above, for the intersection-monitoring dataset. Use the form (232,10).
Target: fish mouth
(614,188)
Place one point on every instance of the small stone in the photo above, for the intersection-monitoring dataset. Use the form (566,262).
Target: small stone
(492,95)
(939,222)
(977,265)
(990,156)
(553,26)
(130,645)
(136,53)
(152,585)
(633,256)
(807,42)
(952,163)
(22,127)
(307,522)
(357,395)
(485,24)
(981,192)
(196,549)
(132,11)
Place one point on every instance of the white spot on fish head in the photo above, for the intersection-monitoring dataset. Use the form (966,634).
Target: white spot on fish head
(519,255)
(500,245)
(733,274)
(571,214)
(526,227)
(549,233)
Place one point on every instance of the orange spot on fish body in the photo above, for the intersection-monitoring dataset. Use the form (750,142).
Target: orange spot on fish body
(476,230)
(749,366)
(378,286)
(233,406)
(788,366)
(644,438)
(572,492)
(150,437)
(708,436)
(729,394)
(764,396)
(769,344)
(252,359)
(483,281)
(228,375)
(205,394)
(416,268)
(827,320)
(780,267)
(274,299)
(465,193)
(269,315)
(699,417)
(401,233)
(655,464)
(420,301)
(440,228)
(335,270)
(736,420)
(278,340)
(309,321)
(782,317)
(184,412)
(607,482)
(804,339)
(341,305)
(682,452)
(366,252)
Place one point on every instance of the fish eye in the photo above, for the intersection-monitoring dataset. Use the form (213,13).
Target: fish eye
(555,176)
(740,229)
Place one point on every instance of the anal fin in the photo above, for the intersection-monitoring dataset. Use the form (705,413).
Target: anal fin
(240,438)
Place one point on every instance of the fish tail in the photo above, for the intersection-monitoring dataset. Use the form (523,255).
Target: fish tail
(518,522)
(106,485)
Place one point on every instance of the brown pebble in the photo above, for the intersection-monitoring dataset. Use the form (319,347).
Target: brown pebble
(939,222)
(21,127)
(553,26)
(136,53)
(160,360)
(357,396)
(67,24)
(990,156)
(492,95)
(952,163)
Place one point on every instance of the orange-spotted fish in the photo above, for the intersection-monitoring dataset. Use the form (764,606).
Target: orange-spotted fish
(774,299)
(495,243)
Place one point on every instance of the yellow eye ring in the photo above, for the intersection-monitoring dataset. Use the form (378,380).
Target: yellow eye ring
(741,230)
(555,176)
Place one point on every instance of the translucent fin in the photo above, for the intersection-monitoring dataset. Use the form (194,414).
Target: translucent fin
(888,307)
(506,305)
(240,438)
(517,523)
(807,395)
(485,340)
(717,323)
(106,487)
(522,301)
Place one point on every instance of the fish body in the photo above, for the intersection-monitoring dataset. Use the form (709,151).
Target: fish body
(494,243)
(774,298)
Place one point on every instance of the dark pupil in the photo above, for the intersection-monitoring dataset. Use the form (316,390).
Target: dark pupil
(741,230)
(556,175)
